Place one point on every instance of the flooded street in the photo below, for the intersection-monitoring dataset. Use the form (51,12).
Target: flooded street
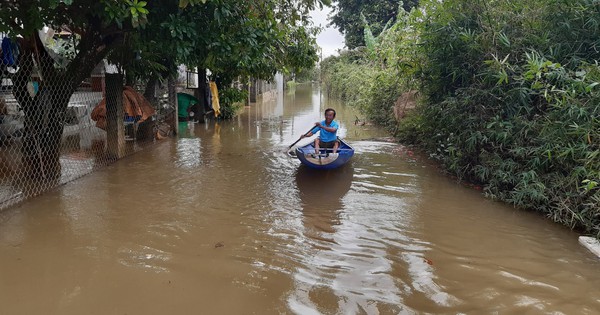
(221,221)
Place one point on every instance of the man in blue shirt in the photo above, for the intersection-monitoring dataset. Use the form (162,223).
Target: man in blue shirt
(328,136)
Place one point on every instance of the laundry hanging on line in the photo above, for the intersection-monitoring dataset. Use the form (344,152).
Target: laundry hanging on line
(215,98)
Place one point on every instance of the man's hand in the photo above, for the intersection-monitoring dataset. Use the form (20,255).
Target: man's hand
(318,124)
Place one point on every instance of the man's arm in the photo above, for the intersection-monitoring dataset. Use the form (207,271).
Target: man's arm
(329,129)
(311,132)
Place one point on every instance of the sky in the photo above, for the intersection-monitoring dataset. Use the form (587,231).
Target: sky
(330,39)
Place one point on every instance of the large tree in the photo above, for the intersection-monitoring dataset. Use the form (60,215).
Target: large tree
(98,25)
(233,37)
(346,17)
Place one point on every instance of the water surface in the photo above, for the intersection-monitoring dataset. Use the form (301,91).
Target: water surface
(222,221)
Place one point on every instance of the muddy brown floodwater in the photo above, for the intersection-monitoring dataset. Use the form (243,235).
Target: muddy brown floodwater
(221,221)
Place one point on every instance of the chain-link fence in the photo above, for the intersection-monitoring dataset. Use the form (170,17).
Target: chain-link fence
(51,134)
(59,122)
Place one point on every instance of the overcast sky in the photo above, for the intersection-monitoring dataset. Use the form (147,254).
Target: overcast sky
(329,39)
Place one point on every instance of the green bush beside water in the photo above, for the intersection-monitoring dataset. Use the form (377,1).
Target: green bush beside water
(231,100)
(509,96)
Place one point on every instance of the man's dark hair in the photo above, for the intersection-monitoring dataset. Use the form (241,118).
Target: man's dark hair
(330,110)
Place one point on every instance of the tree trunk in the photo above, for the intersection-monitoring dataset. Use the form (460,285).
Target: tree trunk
(115,128)
(44,126)
(172,89)
(253,90)
(44,116)
(200,94)
(45,111)
(150,91)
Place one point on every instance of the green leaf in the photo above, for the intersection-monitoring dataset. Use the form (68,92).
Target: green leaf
(591,86)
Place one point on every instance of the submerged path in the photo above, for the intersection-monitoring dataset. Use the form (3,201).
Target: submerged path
(221,221)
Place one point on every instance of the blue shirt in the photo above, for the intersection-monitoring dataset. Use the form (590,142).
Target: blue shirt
(325,135)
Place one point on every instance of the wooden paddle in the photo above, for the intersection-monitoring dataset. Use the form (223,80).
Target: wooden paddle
(304,135)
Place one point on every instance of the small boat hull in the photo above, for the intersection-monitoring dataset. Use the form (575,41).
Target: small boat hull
(326,159)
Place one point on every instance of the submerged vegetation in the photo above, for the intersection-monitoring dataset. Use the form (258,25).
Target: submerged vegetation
(508,96)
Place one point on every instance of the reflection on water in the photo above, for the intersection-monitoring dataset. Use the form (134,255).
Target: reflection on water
(345,257)
(222,221)
(321,193)
(188,153)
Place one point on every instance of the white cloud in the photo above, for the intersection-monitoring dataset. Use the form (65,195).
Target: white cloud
(330,39)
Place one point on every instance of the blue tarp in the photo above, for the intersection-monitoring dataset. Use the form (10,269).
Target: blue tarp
(9,52)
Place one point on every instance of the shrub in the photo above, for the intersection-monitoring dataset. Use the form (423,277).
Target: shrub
(510,97)
(231,100)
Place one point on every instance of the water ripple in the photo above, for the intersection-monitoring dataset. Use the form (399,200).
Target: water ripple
(145,257)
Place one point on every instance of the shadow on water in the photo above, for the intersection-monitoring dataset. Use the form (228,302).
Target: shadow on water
(321,193)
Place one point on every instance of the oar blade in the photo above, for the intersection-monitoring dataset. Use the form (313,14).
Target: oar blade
(292,153)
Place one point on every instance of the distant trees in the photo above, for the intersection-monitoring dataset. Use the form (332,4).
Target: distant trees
(347,19)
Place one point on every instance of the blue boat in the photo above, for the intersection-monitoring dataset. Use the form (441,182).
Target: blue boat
(326,159)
